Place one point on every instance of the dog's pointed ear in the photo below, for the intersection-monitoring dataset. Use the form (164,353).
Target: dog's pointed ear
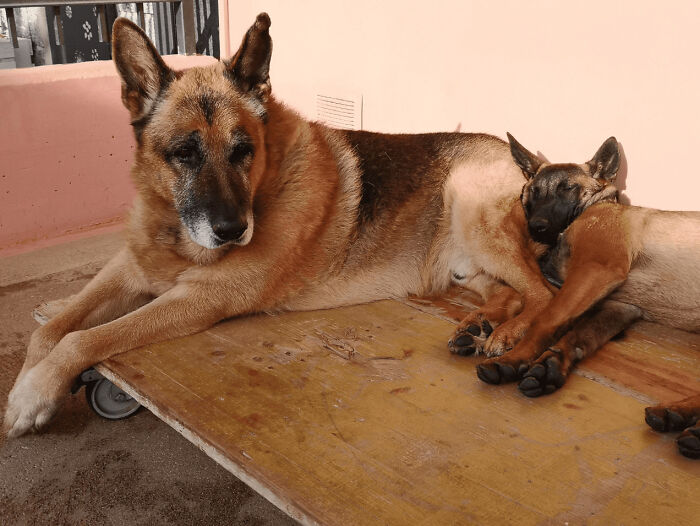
(141,68)
(606,161)
(529,163)
(249,69)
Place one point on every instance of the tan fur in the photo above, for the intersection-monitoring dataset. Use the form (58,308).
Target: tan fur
(302,194)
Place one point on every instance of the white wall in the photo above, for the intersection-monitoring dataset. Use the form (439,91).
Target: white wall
(560,76)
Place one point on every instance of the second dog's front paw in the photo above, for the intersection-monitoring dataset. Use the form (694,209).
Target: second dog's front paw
(689,442)
(493,372)
(470,336)
(505,337)
(32,402)
(663,418)
(545,376)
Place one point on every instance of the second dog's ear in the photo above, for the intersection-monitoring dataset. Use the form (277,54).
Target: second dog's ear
(606,161)
(249,68)
(529,163)
(142,70)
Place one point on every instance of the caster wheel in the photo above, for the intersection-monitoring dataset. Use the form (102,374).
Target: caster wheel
(108,401)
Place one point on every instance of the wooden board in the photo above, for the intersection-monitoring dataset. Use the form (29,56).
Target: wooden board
(360,415)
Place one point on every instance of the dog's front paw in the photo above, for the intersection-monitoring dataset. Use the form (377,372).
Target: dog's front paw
(668,418)
(503,339)
(471,335)
(34,399)
(41,342)
(495,371)
(546,375)
(689,442)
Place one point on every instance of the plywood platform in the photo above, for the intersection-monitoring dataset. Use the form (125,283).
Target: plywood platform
(360,415)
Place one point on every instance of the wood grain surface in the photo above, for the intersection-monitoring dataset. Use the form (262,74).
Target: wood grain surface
(360,415)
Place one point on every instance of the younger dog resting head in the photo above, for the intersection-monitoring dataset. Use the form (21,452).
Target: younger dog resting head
(556,194)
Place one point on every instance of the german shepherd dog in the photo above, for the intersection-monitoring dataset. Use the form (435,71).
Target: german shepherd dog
(245,207)
(617,264)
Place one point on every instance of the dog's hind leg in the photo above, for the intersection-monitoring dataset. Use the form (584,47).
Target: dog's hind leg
(114,291)
(551,369)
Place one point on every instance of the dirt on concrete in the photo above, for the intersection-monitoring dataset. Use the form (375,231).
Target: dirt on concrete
(83,469)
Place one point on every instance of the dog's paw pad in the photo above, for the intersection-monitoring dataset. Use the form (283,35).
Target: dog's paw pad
(477,328)
(496,373)
(542,378)
(664,419)
(462,345)
(689,443)
(474,329)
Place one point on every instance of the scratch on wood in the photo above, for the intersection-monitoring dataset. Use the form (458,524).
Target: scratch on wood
(337,346)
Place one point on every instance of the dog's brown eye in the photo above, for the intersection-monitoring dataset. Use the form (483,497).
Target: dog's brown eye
(241,150)
(187,156)
(187,153)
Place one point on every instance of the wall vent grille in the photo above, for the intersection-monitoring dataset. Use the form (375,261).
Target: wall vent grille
(340,111)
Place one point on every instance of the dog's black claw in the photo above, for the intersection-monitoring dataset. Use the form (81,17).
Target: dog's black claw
(474,329)
(654,421)
(689,443)
(488,373)
(486,327)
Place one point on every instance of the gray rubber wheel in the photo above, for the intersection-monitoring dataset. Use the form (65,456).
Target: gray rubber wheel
(110,402)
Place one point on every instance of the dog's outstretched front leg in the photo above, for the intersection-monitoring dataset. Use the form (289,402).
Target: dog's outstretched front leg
(585,286)
(114,291)
(551,369)
(183,310)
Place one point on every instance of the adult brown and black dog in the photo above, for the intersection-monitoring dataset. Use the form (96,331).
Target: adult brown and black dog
(617,263)
(243,207)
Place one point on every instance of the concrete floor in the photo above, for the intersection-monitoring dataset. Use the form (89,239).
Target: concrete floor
(86,470)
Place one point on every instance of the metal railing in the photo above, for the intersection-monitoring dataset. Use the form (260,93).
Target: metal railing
(184,8)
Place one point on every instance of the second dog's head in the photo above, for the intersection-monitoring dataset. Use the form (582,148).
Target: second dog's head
(200,132)
(556,194)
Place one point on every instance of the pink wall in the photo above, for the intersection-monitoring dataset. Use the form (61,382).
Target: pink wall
(560,76)
(66,147)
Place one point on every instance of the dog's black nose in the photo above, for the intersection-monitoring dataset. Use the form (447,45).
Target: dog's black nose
(229,230)
(539,224)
